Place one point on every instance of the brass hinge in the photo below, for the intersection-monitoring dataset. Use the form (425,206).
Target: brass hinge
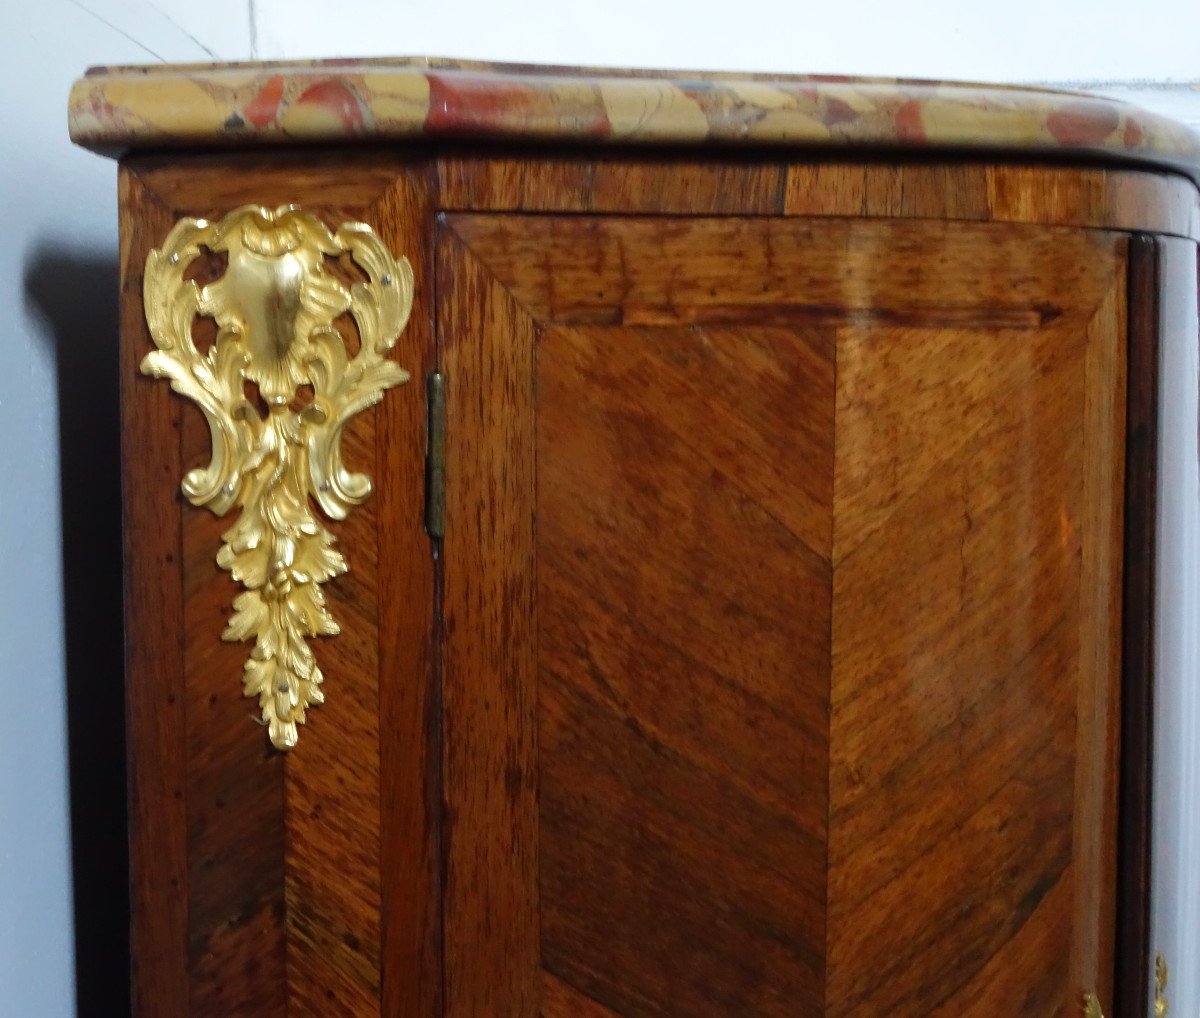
(435,455)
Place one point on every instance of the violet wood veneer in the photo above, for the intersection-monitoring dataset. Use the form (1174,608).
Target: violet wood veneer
(754,615)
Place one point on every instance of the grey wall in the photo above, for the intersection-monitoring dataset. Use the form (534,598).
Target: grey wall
(61,770)
(60,587)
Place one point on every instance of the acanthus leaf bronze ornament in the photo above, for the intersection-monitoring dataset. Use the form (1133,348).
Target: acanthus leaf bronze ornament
(1091,1005)
(1161,1005)
(275,307)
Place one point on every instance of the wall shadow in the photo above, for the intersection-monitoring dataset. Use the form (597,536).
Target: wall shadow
(77,296)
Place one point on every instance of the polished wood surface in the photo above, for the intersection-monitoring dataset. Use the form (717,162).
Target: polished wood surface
(489,649)
(283,848)
(808,272)
(410,709)
(1103,515)
(1106,198)
(620,183)
(771,664)
(553,181)
(699,540)
(975,677)
(682,695)
(276,860)
(977,192)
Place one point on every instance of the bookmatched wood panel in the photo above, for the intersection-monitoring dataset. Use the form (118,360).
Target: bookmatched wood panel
(682,702)
(733,814)
(659,646)
(966,649)
(286,888)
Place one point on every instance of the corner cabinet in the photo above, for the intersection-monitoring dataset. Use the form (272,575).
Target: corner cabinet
(616,550)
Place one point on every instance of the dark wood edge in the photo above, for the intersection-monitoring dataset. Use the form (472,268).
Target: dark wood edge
(1132,975)
(411,797)
(439,636)
(153,594)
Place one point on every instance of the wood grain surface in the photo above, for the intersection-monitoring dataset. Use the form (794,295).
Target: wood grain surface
(409,683)
(643,271)
(1104,198)
(711,508)
(683,654)
(154,676)
(284,891)
(771,663)
(961,631)
(1008,193)
(489,652)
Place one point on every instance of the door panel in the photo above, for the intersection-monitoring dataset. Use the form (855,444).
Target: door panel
(781,587)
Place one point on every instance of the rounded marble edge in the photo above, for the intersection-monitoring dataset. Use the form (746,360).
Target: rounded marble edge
(116,110)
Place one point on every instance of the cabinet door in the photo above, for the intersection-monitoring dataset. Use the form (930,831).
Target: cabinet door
(781,615)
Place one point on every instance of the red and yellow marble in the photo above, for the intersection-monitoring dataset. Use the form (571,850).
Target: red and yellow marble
(115,109)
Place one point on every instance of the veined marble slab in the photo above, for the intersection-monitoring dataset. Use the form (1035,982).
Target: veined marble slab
(117,109)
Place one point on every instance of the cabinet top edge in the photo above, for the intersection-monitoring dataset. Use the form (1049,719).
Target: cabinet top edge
(114,110)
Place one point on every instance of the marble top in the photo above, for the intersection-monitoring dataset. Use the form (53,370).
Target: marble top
(118,109)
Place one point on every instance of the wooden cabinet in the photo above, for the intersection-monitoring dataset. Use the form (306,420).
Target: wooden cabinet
(753,611)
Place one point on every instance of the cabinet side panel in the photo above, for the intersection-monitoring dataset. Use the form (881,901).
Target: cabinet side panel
(284,852)
(235,795)
(285,896)
(154,653)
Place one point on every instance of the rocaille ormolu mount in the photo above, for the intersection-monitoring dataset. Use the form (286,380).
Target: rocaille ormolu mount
(748,608)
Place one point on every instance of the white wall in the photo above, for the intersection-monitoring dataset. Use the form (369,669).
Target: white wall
(57,283)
